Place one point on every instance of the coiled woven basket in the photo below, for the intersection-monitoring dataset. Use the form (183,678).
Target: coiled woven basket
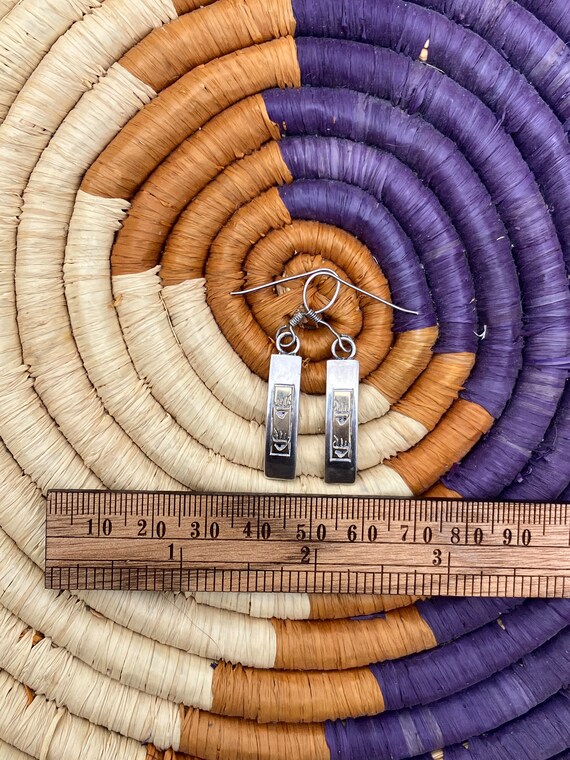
(155,156)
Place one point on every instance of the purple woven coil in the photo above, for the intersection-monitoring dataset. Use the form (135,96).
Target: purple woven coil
(469,156)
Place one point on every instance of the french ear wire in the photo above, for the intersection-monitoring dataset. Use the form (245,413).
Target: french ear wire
(323,271)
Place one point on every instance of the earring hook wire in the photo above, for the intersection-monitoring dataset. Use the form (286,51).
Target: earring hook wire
(325,271)
(315,316)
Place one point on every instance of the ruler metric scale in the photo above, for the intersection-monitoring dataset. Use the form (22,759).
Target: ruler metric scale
(169,541)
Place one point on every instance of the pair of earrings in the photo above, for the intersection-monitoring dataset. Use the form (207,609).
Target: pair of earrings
(341,420)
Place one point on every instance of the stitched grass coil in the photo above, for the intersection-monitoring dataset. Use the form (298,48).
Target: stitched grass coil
(158,155)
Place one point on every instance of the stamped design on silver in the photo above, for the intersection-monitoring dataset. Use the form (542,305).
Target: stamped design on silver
(282,420)
(342,413)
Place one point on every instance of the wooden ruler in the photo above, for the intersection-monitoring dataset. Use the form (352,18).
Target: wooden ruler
(244,542)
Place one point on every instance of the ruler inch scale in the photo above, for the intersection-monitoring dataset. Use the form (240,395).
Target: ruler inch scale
(186,541)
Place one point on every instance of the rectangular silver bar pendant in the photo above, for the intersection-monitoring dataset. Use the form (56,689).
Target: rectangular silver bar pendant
(341,424)
(282,416)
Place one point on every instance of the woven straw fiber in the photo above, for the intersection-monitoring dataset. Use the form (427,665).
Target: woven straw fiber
(156,155)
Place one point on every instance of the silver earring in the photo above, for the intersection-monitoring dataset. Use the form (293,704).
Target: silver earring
(341,415)
(284,387)
(341,422)
(283,406)
(341,410)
